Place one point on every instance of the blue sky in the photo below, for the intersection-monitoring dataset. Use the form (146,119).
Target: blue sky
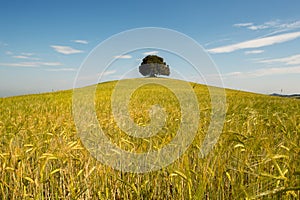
(255,44)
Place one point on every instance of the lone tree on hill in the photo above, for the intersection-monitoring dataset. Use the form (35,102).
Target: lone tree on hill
(153,66)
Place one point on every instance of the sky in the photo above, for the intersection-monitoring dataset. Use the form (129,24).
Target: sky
(255,45)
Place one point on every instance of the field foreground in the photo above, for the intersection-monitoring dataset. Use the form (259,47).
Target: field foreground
(256,156)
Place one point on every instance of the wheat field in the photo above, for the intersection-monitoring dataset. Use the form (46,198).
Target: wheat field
(256,156)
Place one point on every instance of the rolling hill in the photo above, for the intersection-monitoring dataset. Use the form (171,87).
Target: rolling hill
(256,156)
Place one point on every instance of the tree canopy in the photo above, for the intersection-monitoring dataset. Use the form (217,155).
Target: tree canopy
(154,66)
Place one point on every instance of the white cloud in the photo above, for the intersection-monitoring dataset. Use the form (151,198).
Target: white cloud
(80,41)
(291,60)
(243,24)
(9,53)
(21,57)
(106,73)
(234,74)
(276,25)
(256,43)
(259,27)
(295,24)
(25,57)
(27,54)
(49,63)
(65,49)
(150,53)
(252,26)
(21,64)
(254,52)
(264,72)
(266,25)
(31,64)
(62,70)
(123,57)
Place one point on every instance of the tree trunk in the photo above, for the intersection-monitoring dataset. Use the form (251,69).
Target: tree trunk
(152,75)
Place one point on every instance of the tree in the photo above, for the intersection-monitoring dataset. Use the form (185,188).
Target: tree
(153,66)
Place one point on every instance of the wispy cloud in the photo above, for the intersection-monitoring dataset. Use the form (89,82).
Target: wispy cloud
(258,27)
(256,43)
(264,72)
(254,52)
(27,54)
(80,41)
(31,64)
(275,25)
(62,70)
(9,53)
(21,57)
(25,57)
(290,60)
(123,57)
(106,73)
(150,53)
(252,26)
(65,49)
(243,24)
